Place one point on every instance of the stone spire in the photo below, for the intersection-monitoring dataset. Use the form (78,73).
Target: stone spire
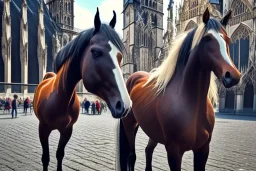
(170,27)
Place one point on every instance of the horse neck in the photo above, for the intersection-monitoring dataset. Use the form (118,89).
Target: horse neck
(195,81)
(67,79)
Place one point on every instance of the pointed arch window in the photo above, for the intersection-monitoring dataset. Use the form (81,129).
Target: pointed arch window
(146,2)
(241,12)
(239,48)
(68,21)
(69,7)
(58,18)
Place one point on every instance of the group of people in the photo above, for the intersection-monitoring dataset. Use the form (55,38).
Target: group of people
(7,103)
(96,106)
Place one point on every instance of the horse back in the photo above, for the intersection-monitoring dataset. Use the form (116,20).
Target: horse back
(135,78)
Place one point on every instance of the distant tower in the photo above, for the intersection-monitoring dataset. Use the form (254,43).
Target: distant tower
(170,20)
(62,12)
(143,34)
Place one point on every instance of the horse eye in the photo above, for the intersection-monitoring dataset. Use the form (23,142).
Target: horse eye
(96,53)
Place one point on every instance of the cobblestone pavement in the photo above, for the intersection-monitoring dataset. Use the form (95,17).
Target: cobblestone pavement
(92,145)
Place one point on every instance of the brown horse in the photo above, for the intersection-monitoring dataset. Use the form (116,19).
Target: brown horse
(93,56)
(170,104)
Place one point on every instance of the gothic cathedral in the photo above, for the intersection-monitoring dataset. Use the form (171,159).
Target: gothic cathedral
(142,32)
(32,32)
(241,29)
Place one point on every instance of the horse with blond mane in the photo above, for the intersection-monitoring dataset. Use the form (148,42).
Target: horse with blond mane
(173,103)
(93,56)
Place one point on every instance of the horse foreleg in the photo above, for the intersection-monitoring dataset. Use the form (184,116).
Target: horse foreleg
(64,138)
(174,155)
(131,128)
(44,133)
(201,156)
(149,152)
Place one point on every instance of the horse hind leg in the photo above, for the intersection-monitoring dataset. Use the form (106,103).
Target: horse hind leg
(64,138)
(44,133)
(149,152)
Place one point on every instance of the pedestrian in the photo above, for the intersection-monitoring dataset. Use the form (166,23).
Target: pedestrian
(7,105)
(101,106)
(93,108)
(14,105)
(26,105)
(98,106)
(87,106)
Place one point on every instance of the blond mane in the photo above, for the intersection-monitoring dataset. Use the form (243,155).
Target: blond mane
(160,76)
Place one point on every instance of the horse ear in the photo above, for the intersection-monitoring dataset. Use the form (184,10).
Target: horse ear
(97,22)
(224,20)
(206,16)
(113,21)
(119,58)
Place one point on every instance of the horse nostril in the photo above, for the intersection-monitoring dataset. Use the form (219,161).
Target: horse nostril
(227,75)
(118,105)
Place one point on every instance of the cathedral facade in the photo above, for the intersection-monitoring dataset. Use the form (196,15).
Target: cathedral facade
(32,32)
(241,29)
(144,55)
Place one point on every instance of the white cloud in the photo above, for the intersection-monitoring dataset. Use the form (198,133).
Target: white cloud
(85,19)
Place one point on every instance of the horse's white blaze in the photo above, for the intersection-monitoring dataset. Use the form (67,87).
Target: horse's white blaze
(119,78)
(223,45)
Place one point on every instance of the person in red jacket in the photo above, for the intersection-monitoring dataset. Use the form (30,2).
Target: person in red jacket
(98,106)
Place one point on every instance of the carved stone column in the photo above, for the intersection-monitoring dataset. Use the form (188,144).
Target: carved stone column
(55,49)
(254,97)
(41,48)
(222,98)
(6,44)
(239,99)
(24,47)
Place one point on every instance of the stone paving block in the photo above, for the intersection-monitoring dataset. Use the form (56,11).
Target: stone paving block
(92,146)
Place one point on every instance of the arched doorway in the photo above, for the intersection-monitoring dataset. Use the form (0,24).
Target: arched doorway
(248,96)
(229,100)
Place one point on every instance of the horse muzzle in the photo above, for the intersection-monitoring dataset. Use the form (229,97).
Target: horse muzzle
(229,81)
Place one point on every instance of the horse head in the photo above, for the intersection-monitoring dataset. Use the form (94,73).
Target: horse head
(100,67)
(214,50)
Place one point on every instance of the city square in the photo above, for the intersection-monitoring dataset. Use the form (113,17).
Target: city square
(92,146)
(78,79)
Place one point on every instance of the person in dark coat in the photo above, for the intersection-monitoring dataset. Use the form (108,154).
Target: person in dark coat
(26,105)
(93,108)
(87,105)
(7,105)
(14,105)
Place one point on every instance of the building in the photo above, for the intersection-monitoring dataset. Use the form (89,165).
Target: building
(62,12)
(241,29)
(142,55)
(31,36)
(142,34)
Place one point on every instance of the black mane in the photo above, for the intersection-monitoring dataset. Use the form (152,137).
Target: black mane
(185,49)
(74,49)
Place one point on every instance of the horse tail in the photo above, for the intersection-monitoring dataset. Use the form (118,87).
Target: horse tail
(123,150)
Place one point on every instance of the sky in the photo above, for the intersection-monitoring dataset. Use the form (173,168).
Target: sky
(85,11)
